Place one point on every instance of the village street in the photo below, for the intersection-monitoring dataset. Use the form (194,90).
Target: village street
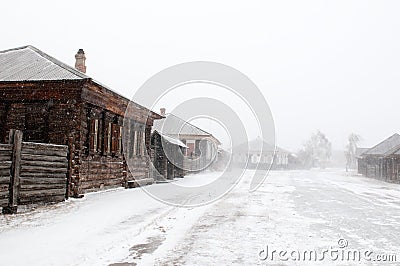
(293,211)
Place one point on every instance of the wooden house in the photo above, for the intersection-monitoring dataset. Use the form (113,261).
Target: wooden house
(382,161)
(52,102)
(200,143)
(167,156)
(361,166)
(261,154)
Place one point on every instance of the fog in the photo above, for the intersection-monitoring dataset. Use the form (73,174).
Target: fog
(321,65)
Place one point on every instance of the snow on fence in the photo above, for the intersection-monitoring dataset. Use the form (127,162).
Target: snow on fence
(31,173)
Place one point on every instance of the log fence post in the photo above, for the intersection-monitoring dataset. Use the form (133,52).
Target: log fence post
(15,138)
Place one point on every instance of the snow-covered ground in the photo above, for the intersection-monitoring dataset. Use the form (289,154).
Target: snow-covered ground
(293,211)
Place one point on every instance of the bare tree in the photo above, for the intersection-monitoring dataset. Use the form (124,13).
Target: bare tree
(351,150)
(316,151)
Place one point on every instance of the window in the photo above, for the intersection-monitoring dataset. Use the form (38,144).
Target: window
(120,140)
(141,153)
(139,143)
(96,132)
(135,143)
(114,138)
(135,140)
(131,140)
(109,132)
(143,144)
(93,132)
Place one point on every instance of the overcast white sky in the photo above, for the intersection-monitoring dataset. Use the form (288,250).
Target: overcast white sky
(328,65)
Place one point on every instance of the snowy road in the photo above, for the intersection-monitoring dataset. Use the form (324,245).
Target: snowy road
(293,211)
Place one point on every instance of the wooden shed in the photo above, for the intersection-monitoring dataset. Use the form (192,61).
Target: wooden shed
(382,161)
(52,102)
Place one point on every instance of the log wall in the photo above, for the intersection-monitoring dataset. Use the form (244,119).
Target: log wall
(387,168)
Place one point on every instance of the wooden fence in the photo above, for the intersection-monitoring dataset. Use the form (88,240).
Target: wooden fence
(31,173)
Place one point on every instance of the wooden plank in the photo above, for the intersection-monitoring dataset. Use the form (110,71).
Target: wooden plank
(99,171)
(15,169)
(71,155)
(102,177)
(5,164)
(44,152)
(3,202)
(42,193)
(4,195)
(85,184)
(45,164)
(5,172)
(44,146)
(42,175)
(38,169)
(39,157)
(6,147)
(6,153)
(5,158)
(44,199)
(140,182)
(29,187)
(37,180)
(5,179)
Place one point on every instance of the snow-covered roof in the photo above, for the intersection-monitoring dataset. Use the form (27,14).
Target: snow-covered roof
(173,140)
(360,151)
(386,147)
(28,63)
(177,125)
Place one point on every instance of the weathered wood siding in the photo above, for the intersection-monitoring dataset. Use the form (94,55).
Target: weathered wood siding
(362,166)
(101,172)
(103,164)
(45,111)
(5,172)
(166,168)
(43,174)
(31,173)
(140,174)
(387,168)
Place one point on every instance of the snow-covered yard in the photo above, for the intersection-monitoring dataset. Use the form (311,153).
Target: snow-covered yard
(291,211)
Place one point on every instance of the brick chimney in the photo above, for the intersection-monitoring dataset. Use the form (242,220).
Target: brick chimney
(162,111)
(80,59)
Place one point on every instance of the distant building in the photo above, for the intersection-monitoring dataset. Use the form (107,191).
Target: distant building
(166,156)
(261,153)
(198,142)
(382,161)
(359,156)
